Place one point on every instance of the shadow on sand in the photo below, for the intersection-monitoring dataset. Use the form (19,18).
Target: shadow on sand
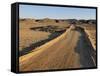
(85,50)
(37,44)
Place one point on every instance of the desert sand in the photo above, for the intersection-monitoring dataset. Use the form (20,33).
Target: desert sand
(72,49)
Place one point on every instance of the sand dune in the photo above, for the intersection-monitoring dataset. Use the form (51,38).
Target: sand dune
(66,51)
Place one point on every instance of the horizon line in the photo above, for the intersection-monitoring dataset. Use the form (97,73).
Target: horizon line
(57,18)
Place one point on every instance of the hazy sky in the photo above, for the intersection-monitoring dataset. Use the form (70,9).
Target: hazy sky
(38,12)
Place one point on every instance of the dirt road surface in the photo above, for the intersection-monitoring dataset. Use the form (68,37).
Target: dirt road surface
(69,50)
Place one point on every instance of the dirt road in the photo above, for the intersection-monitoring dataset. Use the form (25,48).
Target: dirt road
(69,50)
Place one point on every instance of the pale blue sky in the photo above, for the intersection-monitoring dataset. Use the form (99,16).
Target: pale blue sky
(39,12)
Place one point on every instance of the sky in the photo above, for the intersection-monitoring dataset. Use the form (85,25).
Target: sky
(40,12)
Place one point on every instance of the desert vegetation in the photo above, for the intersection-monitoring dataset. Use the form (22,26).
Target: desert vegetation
(33,31)
(56,44)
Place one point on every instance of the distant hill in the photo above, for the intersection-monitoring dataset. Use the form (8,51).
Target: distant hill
(56,22)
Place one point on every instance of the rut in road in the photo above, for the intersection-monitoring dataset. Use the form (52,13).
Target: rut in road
(85,50)
(63,52)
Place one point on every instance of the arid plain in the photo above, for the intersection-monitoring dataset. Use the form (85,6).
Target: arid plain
(48,44)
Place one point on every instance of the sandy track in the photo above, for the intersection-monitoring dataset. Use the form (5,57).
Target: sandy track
(59,53)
